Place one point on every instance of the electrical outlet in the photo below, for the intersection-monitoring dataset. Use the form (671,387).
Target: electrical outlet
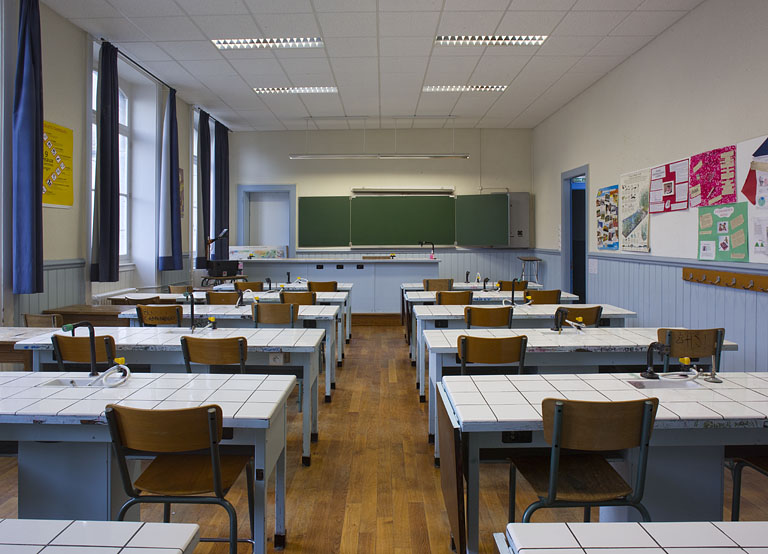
(279,358)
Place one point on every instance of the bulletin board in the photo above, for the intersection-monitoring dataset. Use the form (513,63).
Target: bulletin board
(607,213)
(634,206)
(669,187)
(723,233)
(58,190)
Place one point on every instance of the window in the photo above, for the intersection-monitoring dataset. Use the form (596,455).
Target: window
(124,159)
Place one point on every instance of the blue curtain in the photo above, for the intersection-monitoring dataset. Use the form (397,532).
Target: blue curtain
(105,242)
(169,257)
(203,188)
(28,155)
(221,191)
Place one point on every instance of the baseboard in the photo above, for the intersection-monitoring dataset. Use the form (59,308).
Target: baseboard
(376,319)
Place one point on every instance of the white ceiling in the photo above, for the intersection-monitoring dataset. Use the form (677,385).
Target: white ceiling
(379,53)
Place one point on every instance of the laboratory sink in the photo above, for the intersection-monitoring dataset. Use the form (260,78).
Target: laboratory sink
(75,382)
(664,384)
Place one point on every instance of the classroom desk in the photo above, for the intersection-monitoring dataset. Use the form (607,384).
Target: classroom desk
(577,351)
(324,317)
(66,463)
(105,315)
(30,536)
(721,537)
(164,297)
(9,336)
(160,348)
(431,316)
(685,460)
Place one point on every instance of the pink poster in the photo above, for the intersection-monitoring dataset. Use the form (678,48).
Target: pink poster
(713,177)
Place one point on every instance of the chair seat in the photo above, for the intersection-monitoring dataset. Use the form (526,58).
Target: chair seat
(581,477)
(189,474)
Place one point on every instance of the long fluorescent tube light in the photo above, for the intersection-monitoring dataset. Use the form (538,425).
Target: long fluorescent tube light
(244,43)
(464,88)
(380,156)
(482,40)
(295,90)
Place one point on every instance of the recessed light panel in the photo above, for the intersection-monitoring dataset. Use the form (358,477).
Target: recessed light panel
(464,88)
(244,43)
(295,90)
(483,40)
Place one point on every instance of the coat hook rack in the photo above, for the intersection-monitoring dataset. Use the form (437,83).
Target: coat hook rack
(745,281)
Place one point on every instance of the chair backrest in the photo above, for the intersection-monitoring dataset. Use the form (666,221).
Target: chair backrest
(78,349)
(272,313)
(298,297)
(512,285)
(544,296)
(500,316)
(589,316)
(180,289)
(159,315)
(491,350)
(221,297)
(438,284)
(126,301)
(254,286)
(693,343)
(451,474)
(323,286)
(43,320)
(597,426)
(224,351)
(453,298)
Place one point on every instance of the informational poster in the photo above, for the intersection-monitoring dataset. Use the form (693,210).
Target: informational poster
(669,187)
(57,166)
(752,176)
(607,216)
(723,233)
(634,219)
(713,177)
(251,252)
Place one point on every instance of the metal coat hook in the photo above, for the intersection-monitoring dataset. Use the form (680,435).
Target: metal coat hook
(690,276)
(750,285)
(703,278)
(732,283)
(716,281)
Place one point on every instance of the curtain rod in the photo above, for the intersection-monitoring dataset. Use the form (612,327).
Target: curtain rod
(137,65)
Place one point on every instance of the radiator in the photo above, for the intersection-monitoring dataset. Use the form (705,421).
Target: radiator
(103,297)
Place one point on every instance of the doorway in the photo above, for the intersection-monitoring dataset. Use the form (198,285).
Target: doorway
(573,239)
(266,216)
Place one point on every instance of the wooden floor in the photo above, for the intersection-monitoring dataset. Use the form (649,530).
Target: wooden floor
(372,485)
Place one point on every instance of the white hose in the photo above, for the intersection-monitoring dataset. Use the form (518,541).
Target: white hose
(104,378)
(680,375)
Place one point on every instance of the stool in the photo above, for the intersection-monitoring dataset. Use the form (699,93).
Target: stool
(534,261)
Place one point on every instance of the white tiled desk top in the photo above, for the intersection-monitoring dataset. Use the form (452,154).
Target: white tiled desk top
(287,286)
(52,536)
(463,286)
(15,334)
(168,338)
(246,400)
(164,296)
(479,296)
(717,537)
(599,339)
(513,402)
(274,296)
(316,311)
(532,311)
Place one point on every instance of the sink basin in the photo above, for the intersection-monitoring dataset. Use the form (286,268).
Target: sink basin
(78,382)
(664,384)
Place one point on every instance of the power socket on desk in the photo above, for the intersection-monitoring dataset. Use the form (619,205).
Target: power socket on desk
(279,358)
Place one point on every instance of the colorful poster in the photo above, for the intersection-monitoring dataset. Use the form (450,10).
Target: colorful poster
(57,166)
(669,187)
(607,216)
(723,233)
(752,177)
(251,252)
(713,177)
(634,192)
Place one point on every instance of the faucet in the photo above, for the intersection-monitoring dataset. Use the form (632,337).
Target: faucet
(191,297)
(92,339)
(559,319)
(269,283)
(466,277)
(485,282)
(663,350)
(432,244)
(240,294)
(289,276)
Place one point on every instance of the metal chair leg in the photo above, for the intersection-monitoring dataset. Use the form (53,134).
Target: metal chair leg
(512,491)
(249,484)
(644,513)
(738,468)
(587,514)
(232,525)
(167,512)
(530,509)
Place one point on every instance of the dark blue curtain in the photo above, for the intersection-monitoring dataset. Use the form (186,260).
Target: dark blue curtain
(221,191)
(170,195)
(28,155)
(204,188)
(105,244)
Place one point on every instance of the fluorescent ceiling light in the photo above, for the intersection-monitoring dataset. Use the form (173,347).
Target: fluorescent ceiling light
(294,90)
(464,88)
(241,43)
(481,40)
(380,156)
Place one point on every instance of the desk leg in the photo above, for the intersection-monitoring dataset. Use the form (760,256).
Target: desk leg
(314,393)
(280,473)
(402,306)
(340,335)
(473,493)
(348,305)
(408,316)
(306,407)
(419,344)
(412,343)
(435,371)
(260,485)
(329,326)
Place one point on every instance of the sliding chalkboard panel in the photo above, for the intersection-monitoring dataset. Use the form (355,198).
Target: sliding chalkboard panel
(402,220)
(323,221)
(482,220)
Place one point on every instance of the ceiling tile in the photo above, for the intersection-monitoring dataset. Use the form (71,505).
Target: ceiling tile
(347,24)
(394,103)
(307,65)
(646,23)
(410,5)
(168,28)
(222,84)
(208,68)
(541,5)
(486,5)
(345,5)
(242,98)
(410,82)
(405,46)
(430,123)
(228,26)
(408,24)
(82,8)
(288,25)
(290,53)
(437,103)
(619,46)
(173,74)
(331,124)
(500,70)
(475,51)
(589,23)
(469,23)
(267,66)
(475,104)
(248,54)
(403,64)
(351,65)
(146,8)
(529,22)
(115,29)
(191,50)
(494,122)
(564,46)
(323,105)
(669,4)
(341,47)
(206,7)
(600,5)
(355,104)
(545,65)
(285,105)
(597,64)
(143,51)
(281,6)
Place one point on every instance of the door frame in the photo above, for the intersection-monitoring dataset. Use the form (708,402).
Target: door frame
(565,223)
(243,212)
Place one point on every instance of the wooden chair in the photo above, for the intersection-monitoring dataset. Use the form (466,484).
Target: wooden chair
(43,320)
(187,462)
(298,297)
(126,301)
(589,316)
(221,297)
(180,289)
(544,296)
(585,478)
(513,285)
(496,351)
(692,343)
(438,284)
(253,286)
(488,317)
(323,286)
(214,352)
(452,475)
(453,298)
(159,315)
(271,313)
(78,350)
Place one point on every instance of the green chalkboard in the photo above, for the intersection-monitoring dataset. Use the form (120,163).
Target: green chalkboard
(323,221)
(402,220)
(482,220)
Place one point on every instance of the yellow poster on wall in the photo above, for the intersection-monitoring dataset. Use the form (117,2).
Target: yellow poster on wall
(57,166)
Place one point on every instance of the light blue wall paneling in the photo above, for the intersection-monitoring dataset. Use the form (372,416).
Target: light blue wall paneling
(64,284)
(176,277)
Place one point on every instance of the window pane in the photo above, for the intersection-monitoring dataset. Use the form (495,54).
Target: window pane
(123,145)
(94,140)
(94,89)
(123,225)
(123,115)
